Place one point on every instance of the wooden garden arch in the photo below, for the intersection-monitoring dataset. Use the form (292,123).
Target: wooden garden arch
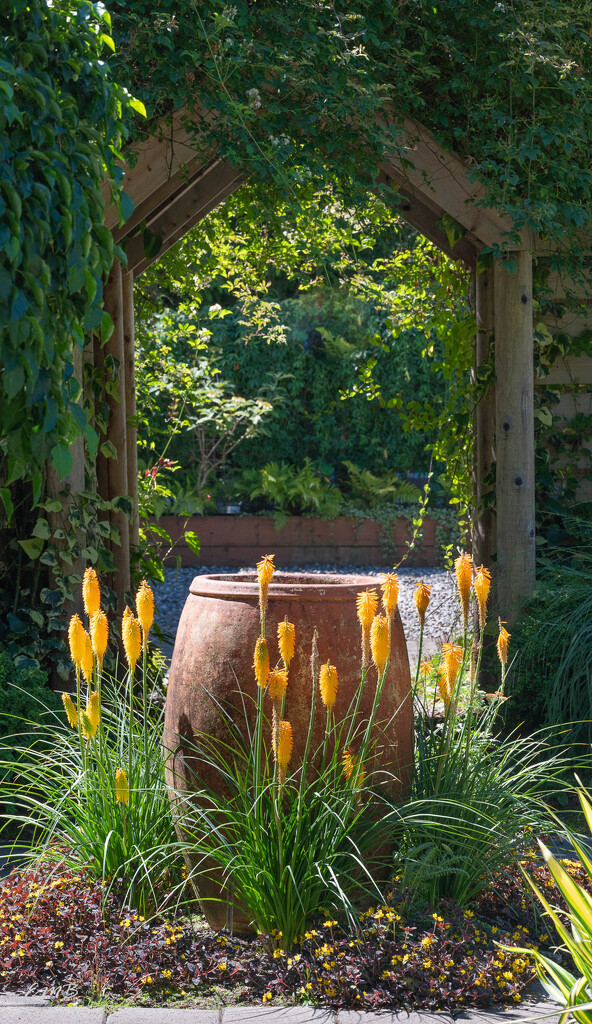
(173,188)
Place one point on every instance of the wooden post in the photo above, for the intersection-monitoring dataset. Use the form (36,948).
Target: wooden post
(113,471)
(484,527)
(130,404)
(514,411)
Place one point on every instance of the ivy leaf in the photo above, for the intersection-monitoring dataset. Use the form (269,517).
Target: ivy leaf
(7,502)
(61,460)
(32,547)
(192,541)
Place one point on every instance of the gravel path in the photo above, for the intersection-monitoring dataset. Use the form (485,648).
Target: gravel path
(442,619)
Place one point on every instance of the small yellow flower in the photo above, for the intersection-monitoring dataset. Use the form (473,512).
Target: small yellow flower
(463,569)
(121,787)
(91,592)
(76,641)
(70,710)
(93,710)
(87,657)
(380,642)
(284,746)
(99,634)
(265,571)
(390,593)
(261,661)
(481,585)
(328,685)
(277,682)
(421,598)
(286,633)
(145,609)
(132,638)
(366,603)
(502,643)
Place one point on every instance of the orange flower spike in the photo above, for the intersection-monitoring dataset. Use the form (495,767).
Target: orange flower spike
(286,633)
(444,688)
(277,683)
(452,656)
(366,603)
(261,661)
(421,598)
(463,570)
(132,638)
(99,634)
(265,571)
(87,657)
(349,763)
(91,592)
(502,644)
(145,609)
(390,593)
(481,586)
(380,642)
(121,787)
(76,641)
(328,684)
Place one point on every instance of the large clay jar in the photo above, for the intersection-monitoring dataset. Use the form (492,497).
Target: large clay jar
(213,657)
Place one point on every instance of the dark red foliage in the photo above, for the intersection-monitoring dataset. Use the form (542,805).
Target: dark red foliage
(57,938)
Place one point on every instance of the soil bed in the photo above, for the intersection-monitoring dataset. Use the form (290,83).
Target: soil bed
(55,941)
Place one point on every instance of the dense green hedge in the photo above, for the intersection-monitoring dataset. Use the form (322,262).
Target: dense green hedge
(330,335)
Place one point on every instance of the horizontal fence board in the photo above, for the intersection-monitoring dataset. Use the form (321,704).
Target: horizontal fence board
(570,405)
(573,324)
(570,370)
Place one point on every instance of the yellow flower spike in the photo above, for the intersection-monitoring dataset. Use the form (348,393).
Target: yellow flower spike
(443,687)
(261,661)
(91,592)
(93,710)
(421,598)
(328,683)
(121,787)
(350,764)
(502,643)
(99,634)
(380,641)
(366,604)
(284,747)
(87,657)
(145,609)
(265,571)
(88,730)
(452,656)
(463,570)
(132,638)
(76,641)
(286,633)
(390,593)
(70,709)
(481,586)
(277,682)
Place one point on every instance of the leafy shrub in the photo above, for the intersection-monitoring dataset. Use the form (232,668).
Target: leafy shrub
(24,694)
(290,490)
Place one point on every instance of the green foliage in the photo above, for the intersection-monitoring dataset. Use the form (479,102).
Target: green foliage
(575,935)
(293,491)
(552,682)
(61,127)
(23,694)
(368,490)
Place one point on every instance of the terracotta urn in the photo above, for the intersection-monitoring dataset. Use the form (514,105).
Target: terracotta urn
(212,665)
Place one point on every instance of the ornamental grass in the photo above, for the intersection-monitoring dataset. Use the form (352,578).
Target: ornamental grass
(87,787)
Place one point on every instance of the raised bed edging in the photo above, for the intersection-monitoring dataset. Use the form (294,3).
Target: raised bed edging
(242,540)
